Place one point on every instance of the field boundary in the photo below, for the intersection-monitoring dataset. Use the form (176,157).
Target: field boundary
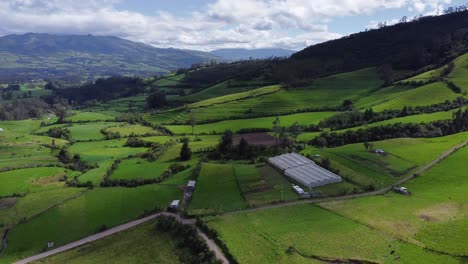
(211,245)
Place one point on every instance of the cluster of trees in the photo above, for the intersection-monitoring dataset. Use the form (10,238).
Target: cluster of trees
(134,142)
(459,123)
(156,100)
(73,162)
(185,151)
(103,89)
(59,132)
(357,118)
(23,109)
(191,247)
(173,169)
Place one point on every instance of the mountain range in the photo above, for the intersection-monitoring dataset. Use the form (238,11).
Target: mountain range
(78,58)
(86,57)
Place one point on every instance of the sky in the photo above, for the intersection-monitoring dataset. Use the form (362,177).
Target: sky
(211,24)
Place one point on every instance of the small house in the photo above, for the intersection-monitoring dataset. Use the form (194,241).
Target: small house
(1,129)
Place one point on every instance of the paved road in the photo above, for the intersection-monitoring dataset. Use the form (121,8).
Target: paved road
(121,228)
(208,241)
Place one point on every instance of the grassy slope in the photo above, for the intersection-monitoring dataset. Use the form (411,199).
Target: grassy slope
(262,122)
(139,169)
(84,215)
(31,180)
(459,75)
(142,244)
(433,216)
(264,237)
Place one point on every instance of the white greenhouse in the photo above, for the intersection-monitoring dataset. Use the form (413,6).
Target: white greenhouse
(303,170)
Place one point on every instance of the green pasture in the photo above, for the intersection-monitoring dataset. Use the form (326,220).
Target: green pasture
(33,204)
(23,181)
(95,176)
(136,245)
(128,129)
(89,131)
(84,216)
(138,168)
(104,150)
(169,80)
(425,95)
(262,122)
(263,185)
(217,190)
(433,216)
(459,75)
(224,88)
(78,116)
(265,237)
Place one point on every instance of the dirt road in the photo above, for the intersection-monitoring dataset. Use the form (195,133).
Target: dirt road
(121,228)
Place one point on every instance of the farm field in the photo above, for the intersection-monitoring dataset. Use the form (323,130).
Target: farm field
(300,234)
(426,95)
(433,216)
(459,74)
(136,245)
(262,122)
(216,190)
(24,181)
(129,130)
(104,150)
(79,116)
(139,169)
(224,88)
(85,215)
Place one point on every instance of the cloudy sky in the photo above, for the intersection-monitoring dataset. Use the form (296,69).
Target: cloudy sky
(210,24)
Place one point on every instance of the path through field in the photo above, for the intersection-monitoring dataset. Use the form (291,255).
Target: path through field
(212,246)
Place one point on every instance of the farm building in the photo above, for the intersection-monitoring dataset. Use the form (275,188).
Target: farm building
(303,170)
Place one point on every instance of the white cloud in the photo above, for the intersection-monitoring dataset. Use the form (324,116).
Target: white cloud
(225,23)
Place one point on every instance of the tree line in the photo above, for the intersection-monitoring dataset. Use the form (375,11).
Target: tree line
(458,124)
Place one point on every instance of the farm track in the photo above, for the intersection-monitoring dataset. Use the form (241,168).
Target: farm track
(211,245)
(426,167)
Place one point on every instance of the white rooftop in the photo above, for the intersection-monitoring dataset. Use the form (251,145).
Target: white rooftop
(303,170)
(191,183)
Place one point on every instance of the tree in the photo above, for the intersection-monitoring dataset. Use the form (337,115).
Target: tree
(347,104)
(243,148)
(366,145)
(61,113)
(225,145)
(193,120)
(326,163)
(156,100)
(64,156)
(276,128)
(185,151)
(295,130)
